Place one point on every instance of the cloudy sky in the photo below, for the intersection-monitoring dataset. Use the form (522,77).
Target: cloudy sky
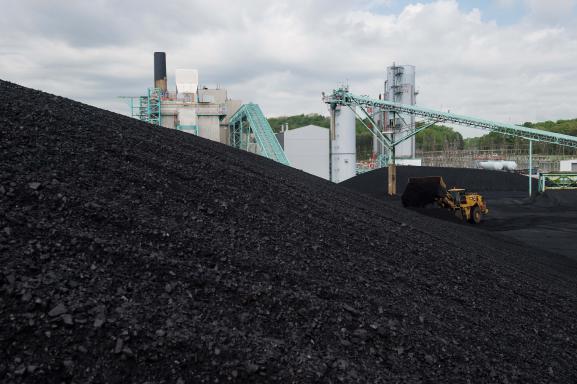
(507,60)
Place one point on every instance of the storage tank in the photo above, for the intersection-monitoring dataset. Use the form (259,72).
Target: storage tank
(343,144)
(509,165)
(400,88)
(491,165)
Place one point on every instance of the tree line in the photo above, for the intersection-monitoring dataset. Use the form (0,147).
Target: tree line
(442,138)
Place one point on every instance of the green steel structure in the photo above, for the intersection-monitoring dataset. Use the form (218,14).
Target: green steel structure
(147,108)
(363,105)
(557,180)
(343,97)
(249,127)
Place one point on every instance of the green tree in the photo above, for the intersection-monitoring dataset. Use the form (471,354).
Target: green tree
(298,121)
(495,140)
(438,138)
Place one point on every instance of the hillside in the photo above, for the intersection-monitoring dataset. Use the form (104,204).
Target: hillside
(298,121)
(496,141)
(567,127)
(438,138)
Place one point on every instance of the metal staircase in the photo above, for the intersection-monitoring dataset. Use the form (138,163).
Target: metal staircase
(147,107)
(250,131)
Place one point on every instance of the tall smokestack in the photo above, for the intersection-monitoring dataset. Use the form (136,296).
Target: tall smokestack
(160,71)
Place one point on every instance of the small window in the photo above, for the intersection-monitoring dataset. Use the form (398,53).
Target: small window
(573,167)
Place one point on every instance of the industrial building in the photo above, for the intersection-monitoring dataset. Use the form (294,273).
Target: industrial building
(205,112)
(568,165)
(307,149)
(190,108)
(400,88)
(331,154)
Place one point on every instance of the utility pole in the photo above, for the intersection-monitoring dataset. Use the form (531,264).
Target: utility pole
(530,168)
(392,188)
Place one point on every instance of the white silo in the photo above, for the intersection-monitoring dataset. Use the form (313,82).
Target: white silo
(343,144)
(400,88)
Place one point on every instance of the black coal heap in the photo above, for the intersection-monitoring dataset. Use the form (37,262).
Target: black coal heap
(131,253)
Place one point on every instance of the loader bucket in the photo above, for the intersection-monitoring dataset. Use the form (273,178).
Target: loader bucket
(422,191)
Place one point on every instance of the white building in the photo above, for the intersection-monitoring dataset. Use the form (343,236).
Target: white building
(307,149)
(568,165)
(193,108)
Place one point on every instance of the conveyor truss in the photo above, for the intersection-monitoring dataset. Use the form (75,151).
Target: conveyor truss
(250,131)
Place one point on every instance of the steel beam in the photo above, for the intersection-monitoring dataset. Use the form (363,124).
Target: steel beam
(382,138)
(343,97)
(415,131)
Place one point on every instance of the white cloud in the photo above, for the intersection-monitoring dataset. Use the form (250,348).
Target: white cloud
(506,3)
(551,11)
(283,54)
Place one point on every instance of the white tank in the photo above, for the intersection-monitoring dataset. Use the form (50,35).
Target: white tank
(491,165)
(343,145)
(509,165)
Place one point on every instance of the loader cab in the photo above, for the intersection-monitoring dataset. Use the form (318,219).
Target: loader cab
(458,195)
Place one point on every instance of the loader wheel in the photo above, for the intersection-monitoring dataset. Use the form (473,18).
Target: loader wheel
(476,215)
(459,215)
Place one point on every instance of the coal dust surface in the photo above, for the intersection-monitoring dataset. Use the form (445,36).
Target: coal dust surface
(136,254)
(375,182)
(546,222)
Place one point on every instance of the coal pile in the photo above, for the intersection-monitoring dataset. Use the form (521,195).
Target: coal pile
(546,221)
(374,182)
(132,254)
(560,199)
(424,191)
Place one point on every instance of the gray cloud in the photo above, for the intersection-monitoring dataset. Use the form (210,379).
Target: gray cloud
(283,54)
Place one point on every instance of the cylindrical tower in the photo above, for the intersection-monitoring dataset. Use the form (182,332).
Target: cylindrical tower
(160,71)
(378,116)
(400,88)
(343,144)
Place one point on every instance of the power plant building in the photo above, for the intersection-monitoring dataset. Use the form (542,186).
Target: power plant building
(307,149)
(399,88)
(190,108)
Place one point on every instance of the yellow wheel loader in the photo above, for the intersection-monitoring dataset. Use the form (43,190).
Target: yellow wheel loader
(423,191)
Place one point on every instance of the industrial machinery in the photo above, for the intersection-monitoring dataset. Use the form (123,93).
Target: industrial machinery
(205,112)
(364,108)
(557,181)
(423,191)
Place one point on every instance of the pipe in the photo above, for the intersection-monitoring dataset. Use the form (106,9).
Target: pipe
(530,168)
(160,71)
